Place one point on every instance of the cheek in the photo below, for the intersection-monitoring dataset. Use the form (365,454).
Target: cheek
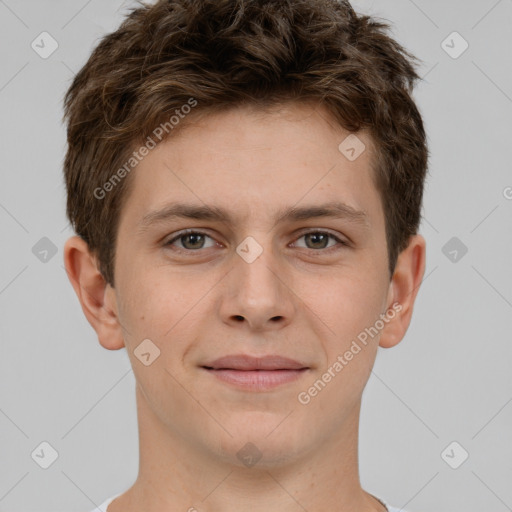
(346,304)
(152,305)
(349,307)
(166,308)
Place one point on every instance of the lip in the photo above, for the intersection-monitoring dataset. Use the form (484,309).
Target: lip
(247,363)
(256,373)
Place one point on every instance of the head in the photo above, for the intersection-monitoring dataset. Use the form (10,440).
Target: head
(243,110)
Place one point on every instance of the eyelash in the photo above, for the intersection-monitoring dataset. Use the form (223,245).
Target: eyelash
(195,232)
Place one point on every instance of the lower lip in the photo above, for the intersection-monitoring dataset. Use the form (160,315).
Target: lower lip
(258,380)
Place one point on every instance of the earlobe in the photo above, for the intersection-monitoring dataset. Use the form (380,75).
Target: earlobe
(403,288)
(94,294)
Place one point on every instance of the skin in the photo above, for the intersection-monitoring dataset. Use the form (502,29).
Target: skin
(198,300)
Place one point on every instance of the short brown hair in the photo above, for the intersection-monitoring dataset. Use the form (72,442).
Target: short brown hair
(227,53)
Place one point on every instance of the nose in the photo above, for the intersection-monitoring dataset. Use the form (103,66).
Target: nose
(256,294)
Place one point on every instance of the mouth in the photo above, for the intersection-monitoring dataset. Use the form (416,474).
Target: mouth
(256,373)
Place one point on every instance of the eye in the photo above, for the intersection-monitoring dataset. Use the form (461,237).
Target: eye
(191,240)
(320,239)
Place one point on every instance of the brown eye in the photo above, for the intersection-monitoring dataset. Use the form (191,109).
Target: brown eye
(319,240)
(191,240)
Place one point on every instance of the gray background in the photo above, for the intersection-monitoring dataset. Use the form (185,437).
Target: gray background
(450,378)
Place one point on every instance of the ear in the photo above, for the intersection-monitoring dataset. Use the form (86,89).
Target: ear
(97,298)
(403,288)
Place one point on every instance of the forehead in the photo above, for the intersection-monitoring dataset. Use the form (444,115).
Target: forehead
(244,159)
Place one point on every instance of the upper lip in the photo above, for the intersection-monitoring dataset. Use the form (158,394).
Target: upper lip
(248,363)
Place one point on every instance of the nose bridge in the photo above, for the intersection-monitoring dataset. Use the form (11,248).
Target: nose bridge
(256,292)
(254,271)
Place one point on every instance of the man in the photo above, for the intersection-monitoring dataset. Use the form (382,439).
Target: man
(245,178)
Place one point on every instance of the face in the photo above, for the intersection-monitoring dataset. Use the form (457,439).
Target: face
(251,252)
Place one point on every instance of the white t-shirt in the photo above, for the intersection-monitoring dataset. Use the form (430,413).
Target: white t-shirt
(104,505)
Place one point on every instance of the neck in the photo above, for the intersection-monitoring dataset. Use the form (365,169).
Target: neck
(175,475)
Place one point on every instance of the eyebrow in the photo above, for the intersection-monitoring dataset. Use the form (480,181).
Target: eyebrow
(336,210)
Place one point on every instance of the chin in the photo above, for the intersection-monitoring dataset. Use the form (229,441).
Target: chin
(264,443)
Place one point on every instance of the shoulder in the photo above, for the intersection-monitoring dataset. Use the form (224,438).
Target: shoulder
(105,504)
